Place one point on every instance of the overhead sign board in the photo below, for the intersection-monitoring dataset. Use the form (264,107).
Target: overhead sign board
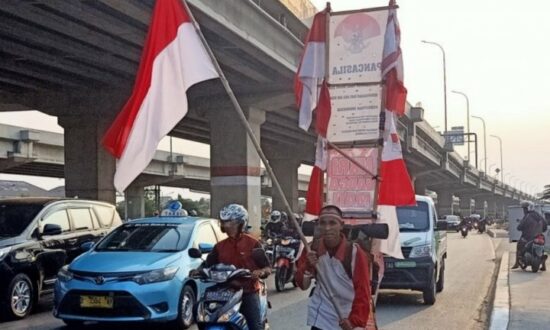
(455,136)
(356,44)
(355,113)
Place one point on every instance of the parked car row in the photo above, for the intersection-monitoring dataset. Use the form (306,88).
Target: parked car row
(98,268)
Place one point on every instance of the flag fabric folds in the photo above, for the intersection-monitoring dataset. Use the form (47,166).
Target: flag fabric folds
(392,65)
(314,196)
(311,71)
(173,60)
(396,187)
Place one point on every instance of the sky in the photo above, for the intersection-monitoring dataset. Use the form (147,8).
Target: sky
(495,54)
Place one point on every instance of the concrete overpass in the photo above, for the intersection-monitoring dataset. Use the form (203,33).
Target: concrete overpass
(77,60)
(34,152)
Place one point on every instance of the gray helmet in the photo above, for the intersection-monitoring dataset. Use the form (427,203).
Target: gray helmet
(530,206)
(275,216)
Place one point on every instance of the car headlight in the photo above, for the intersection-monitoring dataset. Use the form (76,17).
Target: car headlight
(64,274)
(158,275)
(219,276)
(421,251)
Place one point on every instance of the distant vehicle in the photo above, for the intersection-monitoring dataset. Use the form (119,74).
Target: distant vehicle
(139,272)
(37,237)
(424,246)
(452,221)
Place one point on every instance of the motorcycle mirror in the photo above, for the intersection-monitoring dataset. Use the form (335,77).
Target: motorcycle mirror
(308,228)
(260,258)
(194,253)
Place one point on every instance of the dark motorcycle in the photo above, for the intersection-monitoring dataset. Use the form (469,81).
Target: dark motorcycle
(533,254)
(464,231)
(219,306)
(286,250)
(269,248)
(481,227)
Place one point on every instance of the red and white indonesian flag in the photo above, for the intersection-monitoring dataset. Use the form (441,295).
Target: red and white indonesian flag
(308,83)
(392,65)
(173,60)
(314,197)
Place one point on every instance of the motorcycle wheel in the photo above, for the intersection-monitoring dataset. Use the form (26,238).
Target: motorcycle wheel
(280,278)
(535,265)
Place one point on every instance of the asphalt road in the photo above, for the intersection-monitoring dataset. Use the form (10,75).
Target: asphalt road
(469,268)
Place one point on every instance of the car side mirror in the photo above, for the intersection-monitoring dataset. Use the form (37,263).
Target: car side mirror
(51,229)
(194,253)
(87,246)
(441,225)
(206,247)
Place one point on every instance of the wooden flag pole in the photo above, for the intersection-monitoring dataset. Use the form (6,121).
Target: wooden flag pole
(244,121)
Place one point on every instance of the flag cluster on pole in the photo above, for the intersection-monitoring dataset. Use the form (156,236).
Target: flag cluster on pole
(173,60)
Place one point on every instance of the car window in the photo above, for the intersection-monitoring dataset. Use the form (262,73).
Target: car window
(146,237)
(221,236)
(413,218)
(14,218)
(59,218)
(205,234)
(105,215)
(82,219)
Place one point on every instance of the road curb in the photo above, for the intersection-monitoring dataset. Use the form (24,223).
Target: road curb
(497,233)
(500,314)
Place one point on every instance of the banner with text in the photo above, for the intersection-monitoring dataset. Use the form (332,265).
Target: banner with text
(356,43)
(348,186)
(355,113)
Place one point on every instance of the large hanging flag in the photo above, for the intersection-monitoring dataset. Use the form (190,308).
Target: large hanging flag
(309,86)
(392,64)
(314,196)
(173,60)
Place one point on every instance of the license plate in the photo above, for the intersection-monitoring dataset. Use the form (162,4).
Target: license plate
(405,264)
(96,302)
(218,295)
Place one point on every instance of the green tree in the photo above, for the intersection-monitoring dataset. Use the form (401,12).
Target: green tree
(546,192)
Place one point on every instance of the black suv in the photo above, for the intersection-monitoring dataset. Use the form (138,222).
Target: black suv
(37,237)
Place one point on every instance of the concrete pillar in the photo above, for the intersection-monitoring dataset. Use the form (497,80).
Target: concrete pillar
(480,207)
(286,170)
(465,205)
(420,187)
(444,202)
(499,206)
(135,202)
(491,206)
(235,164)
(89,169)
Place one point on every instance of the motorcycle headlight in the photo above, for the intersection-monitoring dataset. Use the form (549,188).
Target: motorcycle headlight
(219,276)
(285,241)
(269,241)
(64,274)
(227,315)
(421,251)
(159,275)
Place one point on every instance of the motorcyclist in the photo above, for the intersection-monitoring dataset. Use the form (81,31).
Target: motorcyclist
(274,227)
(236,250)
(530,226)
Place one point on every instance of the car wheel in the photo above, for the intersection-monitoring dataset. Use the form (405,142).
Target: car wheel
(185,313)
(430,292)
(19,299)
(441,281)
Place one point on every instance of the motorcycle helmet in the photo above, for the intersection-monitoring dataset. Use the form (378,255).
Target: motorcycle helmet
(284,217)
(234,212)
(193,213)
(530,206)
(275,216)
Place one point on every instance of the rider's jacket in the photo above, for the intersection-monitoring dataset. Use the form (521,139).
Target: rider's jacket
(531,225)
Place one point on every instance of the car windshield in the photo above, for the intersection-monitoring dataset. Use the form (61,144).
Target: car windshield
(151,237)
(413,218)
(14,218)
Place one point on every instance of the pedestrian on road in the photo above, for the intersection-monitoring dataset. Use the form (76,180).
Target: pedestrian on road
(530,226)
(345,269)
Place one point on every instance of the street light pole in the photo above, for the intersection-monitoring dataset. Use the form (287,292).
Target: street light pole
(501,166)
(467,119)
(444,80)
(484,140)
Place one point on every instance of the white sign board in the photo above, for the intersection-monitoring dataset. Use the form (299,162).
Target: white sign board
(348,186)
(355,113)
(356,43)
